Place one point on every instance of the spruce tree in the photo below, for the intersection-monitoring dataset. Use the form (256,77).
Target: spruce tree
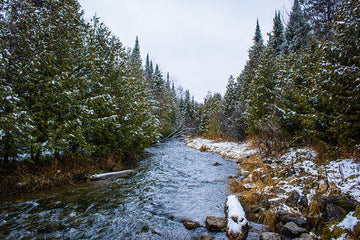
(212,116)
(149,71)
(263,95)
(320,15)
(245,78)
(277,36)
(340,78)
(233,123)
(297,30)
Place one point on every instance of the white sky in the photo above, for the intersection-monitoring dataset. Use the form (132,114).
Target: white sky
(199,42)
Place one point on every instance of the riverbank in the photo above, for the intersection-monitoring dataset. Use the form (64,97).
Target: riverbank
(294,184)
(27,176)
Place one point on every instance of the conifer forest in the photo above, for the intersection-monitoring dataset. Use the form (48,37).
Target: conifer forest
(69,88)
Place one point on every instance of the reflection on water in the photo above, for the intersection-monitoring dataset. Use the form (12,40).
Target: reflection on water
(170,184)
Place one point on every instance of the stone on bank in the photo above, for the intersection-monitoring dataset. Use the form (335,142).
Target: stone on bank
(237,224)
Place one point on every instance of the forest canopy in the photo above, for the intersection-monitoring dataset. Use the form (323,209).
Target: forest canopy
(302,85)
(69,86)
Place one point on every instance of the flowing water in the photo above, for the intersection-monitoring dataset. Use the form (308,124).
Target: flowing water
(170,184)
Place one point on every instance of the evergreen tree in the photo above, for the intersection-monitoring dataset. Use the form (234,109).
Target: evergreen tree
(44,45)
(297,101)
(230,97)
(233,123)
(212,116)
(15,123)
(339,78)
(320,15)
(149,71)
(245,78)
(277,36)
(297,30)
(263,86)
(188,111)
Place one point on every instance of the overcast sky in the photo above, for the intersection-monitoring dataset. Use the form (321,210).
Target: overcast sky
(199,42)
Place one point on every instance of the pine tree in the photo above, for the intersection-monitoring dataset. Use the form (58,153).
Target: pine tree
(297,101)
(149,71)
(297,30)
(44,41)
(212,116)
(340,78)
(233,123)
(245,78)
(188,110)
(263,86)
(277,36)
(320,15)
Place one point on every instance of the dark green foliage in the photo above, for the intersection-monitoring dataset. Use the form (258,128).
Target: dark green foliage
(165,102)
(297,30)
(263,97)
(212,116)
(340,76)
(233,124)
(246,76)
(320,15)
(277,36)
(69,87)
(308,88)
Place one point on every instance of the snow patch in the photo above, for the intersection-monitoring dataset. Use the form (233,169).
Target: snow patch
(236,215)
(349,222)
(227,149)
(345,174)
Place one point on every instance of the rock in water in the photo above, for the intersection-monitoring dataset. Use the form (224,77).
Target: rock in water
(204,237)
(215,224)
(189,224)
(270,236)
(237,226)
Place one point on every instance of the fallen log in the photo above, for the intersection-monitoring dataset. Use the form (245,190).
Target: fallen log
(110,174)
(237,226)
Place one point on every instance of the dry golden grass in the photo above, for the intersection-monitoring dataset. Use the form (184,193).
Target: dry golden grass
(203,148)
(257,184)
(26,176)
(251,163)
(270,217)
(259,181)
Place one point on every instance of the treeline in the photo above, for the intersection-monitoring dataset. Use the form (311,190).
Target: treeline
(302,85)
(70,87)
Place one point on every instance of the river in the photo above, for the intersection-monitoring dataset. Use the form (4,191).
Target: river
(170,184)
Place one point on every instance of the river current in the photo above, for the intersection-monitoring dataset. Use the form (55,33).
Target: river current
(170,184)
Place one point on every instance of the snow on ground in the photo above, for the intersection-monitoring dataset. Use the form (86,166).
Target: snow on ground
(344,173)
(349,222)
(227,149)
(294,170)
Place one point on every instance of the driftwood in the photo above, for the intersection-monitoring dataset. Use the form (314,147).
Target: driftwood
(110,175)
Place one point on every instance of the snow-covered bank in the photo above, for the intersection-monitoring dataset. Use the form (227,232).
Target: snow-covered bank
(344,174)
(227,149)
(292,184)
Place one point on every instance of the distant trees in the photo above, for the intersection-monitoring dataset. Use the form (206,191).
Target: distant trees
(212,116)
